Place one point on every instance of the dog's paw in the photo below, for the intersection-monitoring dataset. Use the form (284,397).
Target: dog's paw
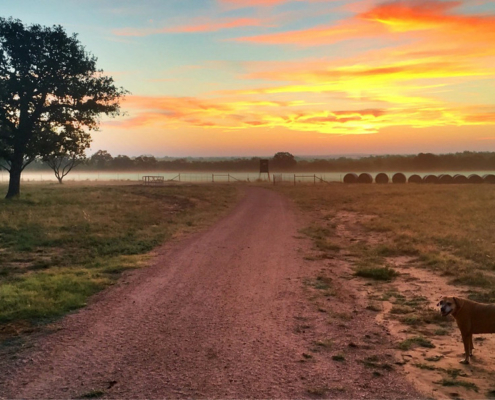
(464,361)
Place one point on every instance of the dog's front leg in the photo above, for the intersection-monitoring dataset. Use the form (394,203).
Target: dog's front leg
(472,345)
(466,339)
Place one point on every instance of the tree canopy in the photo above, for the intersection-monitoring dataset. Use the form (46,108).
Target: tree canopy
(51,96)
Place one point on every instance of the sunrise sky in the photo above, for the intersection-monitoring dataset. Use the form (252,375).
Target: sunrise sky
(253,77)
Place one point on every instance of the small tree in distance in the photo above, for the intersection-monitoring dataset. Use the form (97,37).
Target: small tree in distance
(65,157)
(51,96)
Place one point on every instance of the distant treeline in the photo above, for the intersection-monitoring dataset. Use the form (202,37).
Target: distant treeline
(283,161)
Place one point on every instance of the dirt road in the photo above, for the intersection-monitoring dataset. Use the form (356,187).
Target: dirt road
(214,316)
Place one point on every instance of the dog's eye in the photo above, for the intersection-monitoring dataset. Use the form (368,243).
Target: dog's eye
(449,304)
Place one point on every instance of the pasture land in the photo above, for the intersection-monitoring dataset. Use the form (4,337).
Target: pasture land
(61,244)
(398,249)
(449,229)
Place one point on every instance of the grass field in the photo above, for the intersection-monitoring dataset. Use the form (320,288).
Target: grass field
(61,244)
(449,229)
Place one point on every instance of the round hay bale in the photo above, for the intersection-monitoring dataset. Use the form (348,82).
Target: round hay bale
(415,179)
(489,178)
(399,177)
(365,178)
(430,179)
(350,178)
(381,178)
(475,178)
(445,179)
(460,179)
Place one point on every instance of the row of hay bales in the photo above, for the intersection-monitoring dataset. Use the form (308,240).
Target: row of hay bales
(401,178)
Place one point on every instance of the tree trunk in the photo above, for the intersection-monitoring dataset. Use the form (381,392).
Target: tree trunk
(15,179)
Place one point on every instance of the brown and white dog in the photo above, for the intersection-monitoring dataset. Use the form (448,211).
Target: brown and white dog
(471,318)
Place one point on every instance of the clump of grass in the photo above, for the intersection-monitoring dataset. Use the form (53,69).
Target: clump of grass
(321,283)
(399,309)
(93,394)
(374,362)
(482,297)
(416,341)
(425,366)
(434,358)
(324,344)
(455,372)
(374,307)
(326,245)
(411,320)
(317,391)
(477,278)
(455,382)
(338,357)
(414,302)
(301,328)
(441,332)
(377,273)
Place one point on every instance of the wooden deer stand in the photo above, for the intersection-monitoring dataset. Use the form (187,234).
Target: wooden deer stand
(264,169)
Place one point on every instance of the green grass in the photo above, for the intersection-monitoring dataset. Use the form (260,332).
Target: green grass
(425,366)
(93,394)
(61,244)
(400,309)
(455,382)
(416,341)
(377,273)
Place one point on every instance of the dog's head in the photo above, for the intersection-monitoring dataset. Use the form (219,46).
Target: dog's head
(448,305)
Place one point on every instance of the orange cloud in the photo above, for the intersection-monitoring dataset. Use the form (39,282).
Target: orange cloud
(397,17)
(319,35)
(206,26)
(409,16)
(180,113)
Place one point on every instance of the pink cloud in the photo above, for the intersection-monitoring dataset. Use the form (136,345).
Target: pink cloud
(200,26)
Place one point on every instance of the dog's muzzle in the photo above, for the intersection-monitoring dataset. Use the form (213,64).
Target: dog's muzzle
(445,312)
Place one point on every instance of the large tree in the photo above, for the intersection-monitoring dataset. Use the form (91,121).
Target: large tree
(51,93)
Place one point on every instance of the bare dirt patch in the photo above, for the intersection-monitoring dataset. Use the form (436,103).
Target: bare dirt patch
(221,314)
